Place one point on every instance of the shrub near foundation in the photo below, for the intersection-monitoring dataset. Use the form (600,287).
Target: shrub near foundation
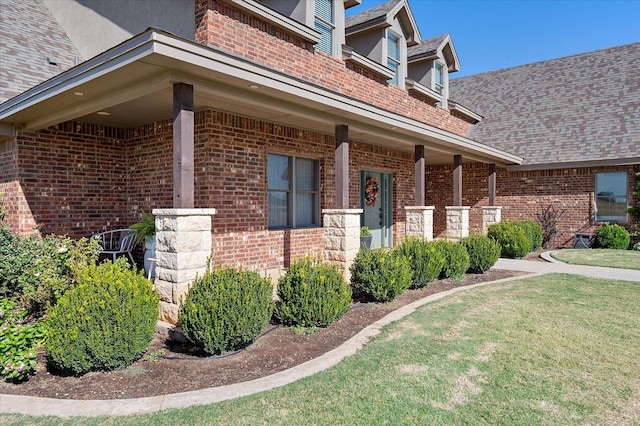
(483,253)
(612,237)
(533,231)
(105,322)
(456,260)
(511,238)
(425,258)
(381,275)
(226,309)
(312,294)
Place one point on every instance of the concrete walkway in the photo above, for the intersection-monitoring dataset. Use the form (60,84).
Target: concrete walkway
(121,407)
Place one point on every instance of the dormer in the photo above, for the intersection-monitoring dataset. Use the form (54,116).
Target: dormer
(383,34)
(325,16)
(429,65)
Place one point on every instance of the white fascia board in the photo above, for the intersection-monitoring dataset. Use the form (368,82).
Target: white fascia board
(281,21)
(454,106)
(128,52)
(423,90)
(348,54)
(631,161)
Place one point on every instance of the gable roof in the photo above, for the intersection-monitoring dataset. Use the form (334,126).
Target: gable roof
(29,38)
(429,49)
(381,16)
(563,112)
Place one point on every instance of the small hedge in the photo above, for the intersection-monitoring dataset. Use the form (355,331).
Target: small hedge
(533,231)
(456,260)
(512,239)
(612,236)
(105,322)
(226,309)
(381,275)
(483,253)
(312,294)
(425,258)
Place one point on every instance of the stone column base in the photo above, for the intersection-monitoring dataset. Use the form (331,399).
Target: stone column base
(490,215)
(341,237)
(419,222)
(183,248)
(457,222)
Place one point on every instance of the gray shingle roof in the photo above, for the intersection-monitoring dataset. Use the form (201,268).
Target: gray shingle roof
(426,47)
(584,107)
(371,14)
(28,36)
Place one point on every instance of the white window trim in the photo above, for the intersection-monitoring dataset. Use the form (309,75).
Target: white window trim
(400,74)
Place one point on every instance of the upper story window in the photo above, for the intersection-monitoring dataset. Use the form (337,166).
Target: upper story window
(393,56)
(438,77)
(325,25)
(611,197)
(294,194)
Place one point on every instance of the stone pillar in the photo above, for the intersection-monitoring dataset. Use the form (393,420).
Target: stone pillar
(183,248)
(490,215)
(457,222)
(341,237)
(419,222)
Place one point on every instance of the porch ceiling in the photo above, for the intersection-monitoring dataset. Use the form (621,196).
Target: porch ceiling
(133,83)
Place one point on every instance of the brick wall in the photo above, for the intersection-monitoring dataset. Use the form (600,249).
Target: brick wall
(220,25)
(522,195)
(12,199)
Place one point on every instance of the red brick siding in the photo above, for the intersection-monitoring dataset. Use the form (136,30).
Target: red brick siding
(522,195)
(233,31)
(12,199)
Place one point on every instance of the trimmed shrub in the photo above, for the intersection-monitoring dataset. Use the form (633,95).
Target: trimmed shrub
(226,309)
(381,275)
(37,271)
(533,231)
(425,258)
(483,252)
(105,322)
(511,238)
(456,260)
(612,236)
(312,294)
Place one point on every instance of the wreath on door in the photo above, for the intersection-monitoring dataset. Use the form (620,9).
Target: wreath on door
(371,191)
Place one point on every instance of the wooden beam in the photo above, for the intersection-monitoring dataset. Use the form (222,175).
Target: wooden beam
(492,184)
(457,180)
(183,146)
(342,166)
(419,175)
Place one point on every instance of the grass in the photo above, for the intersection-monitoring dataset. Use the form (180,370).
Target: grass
(626,259)
(554,349)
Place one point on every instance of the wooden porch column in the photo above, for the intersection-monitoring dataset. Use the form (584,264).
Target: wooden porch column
(419,175)
(457,180)
(342,166)
(492,184)
(183,146)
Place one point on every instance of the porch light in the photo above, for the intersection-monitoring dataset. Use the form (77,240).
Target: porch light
(103,113)
(254,86)
(78,93)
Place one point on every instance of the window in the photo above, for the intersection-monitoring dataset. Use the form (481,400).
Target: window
(393,56)
(438,77)
(324,24)
(293,192)
(611,197)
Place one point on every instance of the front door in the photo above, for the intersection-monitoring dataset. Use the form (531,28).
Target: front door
(376,201)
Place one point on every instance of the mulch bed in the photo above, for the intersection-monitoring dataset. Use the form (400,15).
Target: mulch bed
(178,370)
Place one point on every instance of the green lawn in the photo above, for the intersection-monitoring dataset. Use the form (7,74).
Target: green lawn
(554,349)
(626,259)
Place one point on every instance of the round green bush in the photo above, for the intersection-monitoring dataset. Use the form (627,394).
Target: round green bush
(381,275)
(226,309)
(105,322)
(512,240)
(425,258)
(612,236)
(483,252)
(456,260)
(533,231)
(312,294)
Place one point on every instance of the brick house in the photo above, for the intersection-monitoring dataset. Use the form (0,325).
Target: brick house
(575,121)
(256,131)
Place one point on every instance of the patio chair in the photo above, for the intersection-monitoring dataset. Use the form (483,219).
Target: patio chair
(117,241)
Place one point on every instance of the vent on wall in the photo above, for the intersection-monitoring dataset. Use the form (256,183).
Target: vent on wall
(52,61)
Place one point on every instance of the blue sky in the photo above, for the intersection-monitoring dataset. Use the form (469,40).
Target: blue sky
(494,34)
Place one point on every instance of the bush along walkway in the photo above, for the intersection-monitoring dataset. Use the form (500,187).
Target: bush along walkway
(69,408)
